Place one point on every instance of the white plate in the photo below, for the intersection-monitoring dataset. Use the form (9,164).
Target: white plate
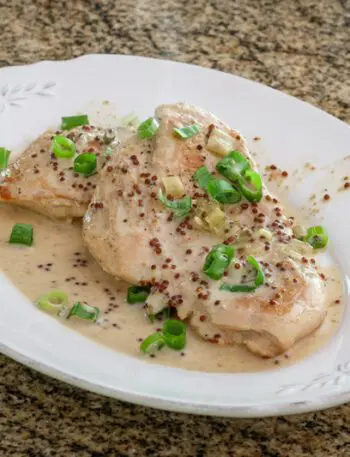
(34,97)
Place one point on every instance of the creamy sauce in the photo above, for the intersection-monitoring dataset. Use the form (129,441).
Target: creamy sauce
(58,259)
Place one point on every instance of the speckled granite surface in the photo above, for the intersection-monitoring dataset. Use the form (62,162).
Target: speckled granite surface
(301,47)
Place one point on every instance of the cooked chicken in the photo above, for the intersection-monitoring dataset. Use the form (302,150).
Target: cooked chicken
(43,183)
(136,238)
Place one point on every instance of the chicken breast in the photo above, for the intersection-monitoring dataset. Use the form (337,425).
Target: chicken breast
(45,184)
(136,238)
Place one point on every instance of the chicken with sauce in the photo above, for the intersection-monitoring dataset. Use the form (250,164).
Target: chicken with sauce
(40,181)
(152,223)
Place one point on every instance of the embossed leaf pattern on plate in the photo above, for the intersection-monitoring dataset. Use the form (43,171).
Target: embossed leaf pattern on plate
(17,94)
(335,378)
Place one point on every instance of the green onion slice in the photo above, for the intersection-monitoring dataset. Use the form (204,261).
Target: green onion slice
(84,311)
(148,128)
(152,343)
(259,279)
(237,287)
(63,147)
(85,164)
(251,185)
(218,260)
(233,165)
(22,234)
(137,294)
(4,157)
(236,168)
(223,192)
(54,301)
(187,132)
(70,122)
(218,189)
(174,332)
(203,177)
(317,237)
(180,208)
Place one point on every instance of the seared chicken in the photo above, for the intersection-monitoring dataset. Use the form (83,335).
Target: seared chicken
(45,184)
(134,237)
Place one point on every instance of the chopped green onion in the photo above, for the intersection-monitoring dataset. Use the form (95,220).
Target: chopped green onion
(233,165)
(238,157)
(251,185)
(180,208)
(152,343)
(137,294)
(223,192)
(53,301)
(317,237)
(203,177)
(22,234)
(237,287)
(218,189)
(4,157)
(63,147)
(174,332)
(218,260)
(148,128)
(259,279)
(187,132)
(85,163)
(236,168)
(70,122)
(84,311)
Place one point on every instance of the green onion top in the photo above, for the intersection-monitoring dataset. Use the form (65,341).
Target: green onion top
(85,164)
(70,122)
(84,311)
(251,185)
(203,177)
(253,285)
(220,190)
(218,260)
(233,165)
(22,234)
(148,128)
(54,301)
(180,208)
(187,132)
(174,332)
(152,343)
(316,236)
(236,168)
(63,147)
(137,294)
(173,335)
(4,157)
(223,192)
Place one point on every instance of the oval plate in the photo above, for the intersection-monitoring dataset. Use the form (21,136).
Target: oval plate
(34,97)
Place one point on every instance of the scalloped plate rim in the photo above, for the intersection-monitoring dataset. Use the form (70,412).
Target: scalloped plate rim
(248,410)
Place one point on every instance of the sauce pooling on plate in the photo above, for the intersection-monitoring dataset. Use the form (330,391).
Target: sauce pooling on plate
(215,267)
(59,260)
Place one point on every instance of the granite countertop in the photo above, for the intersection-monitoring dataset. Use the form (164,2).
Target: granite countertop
(301,47)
